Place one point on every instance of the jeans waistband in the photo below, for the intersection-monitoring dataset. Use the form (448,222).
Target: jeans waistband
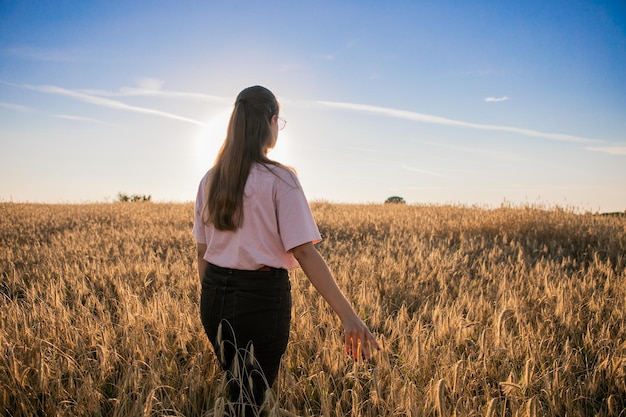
(267,272)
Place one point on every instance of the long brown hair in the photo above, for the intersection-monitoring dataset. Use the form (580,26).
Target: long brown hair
(248,138)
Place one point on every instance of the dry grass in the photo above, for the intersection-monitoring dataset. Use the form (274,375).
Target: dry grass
(508,312)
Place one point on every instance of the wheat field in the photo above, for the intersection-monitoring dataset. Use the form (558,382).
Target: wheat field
(515,311)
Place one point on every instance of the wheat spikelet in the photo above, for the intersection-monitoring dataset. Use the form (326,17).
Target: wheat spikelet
(409,404)
(491,408)
(147,408)
(355,404)
(502,317)
(456,376)
(375,392)
(418,342)
(612,405)
(528,373)
(509,388)
(440,397)
(219,408)
(482,344)
(531,407)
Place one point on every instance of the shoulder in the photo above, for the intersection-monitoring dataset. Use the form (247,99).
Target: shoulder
(204,180)
(205,177)
(282,175)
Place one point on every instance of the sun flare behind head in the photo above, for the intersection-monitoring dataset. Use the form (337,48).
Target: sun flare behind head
(280,152)
(208,142)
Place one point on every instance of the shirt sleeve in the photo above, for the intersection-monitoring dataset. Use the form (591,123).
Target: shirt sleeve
(296,224)
(198,224)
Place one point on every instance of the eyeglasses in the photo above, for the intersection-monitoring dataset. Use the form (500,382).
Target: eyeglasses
(281,122)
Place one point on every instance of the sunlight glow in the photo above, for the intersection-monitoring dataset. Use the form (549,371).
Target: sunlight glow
(281,152)
(208,142)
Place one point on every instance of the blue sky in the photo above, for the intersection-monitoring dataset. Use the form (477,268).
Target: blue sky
(473,103)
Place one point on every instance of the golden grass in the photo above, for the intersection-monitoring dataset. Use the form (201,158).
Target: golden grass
(514,311)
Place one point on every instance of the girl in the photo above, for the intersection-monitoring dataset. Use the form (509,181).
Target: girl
(252,224)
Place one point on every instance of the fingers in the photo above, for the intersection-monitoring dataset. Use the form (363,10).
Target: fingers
(360,344)
(368,346)
(352,347)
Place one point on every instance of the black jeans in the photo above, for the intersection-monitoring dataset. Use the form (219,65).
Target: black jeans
(246,315)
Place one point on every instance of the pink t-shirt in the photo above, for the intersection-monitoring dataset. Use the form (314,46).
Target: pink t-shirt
(276,219)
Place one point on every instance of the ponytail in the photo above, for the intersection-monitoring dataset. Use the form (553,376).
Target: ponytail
(248,137)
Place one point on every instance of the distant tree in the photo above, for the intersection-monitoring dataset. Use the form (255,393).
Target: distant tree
(614,214)
(123,197)
(395,200)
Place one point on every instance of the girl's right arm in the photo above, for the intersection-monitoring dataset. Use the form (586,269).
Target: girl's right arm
(357,336)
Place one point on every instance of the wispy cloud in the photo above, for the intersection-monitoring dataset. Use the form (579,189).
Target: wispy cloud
(138,92)
(496,99)
(79,118)
(39,54)
(391,162)
(152,84)
(488,152)
(152,87)
(612,150)
(421,171)
(16,107)
(102,101)
(147,90)
(20,108)
(429,118)
(386,151)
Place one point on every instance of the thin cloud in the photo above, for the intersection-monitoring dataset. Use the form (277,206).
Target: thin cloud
(150,83)
(375,151)
(39,54)
(130,91)
(395,163)
(79,118)
(611,150)
(496,99)
(103,102)
(489,152)
(421,171)
(429,118)
(152,87)
(16,107)
(144,92)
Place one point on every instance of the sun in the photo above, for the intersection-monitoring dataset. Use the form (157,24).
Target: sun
(210,138)
(280,152)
